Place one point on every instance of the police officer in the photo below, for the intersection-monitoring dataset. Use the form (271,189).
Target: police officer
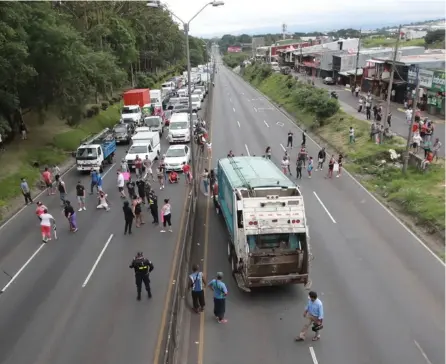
(142,267)
(153,206)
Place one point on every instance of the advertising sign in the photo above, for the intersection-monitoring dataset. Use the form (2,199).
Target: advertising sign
(234,49)
(438,81)
(425,78)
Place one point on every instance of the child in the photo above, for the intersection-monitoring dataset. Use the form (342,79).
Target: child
(310,167)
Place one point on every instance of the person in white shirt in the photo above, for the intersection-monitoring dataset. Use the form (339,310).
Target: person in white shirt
(1,143)
(409,115)
(166,214)
(285,163)
(416,139)
(120,184)
(46,220)
(209,150)
(103,202)
(147,163)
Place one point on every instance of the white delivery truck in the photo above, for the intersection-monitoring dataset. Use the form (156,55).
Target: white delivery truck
(156,97)
(179,128)
(144,143)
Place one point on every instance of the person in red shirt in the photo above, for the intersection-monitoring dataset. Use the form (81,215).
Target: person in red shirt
(186,171)
(47,178)
(173,177)
(138,166)
(40,209)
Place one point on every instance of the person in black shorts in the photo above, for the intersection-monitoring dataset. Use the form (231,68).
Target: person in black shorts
(80,194)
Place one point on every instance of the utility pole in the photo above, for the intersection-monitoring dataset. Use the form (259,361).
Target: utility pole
(357,56)
(412,122)
(392,74)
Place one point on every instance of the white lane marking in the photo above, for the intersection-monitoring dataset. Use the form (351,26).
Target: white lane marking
(108,170)
(417,239)
(284,149)
(22,268)
(233,109)
(255,109)
(97,261)
(313,355)
(247,150)
(266,123)
(280,124)
(323,206)
(422,352)
(35,199)
(238,123)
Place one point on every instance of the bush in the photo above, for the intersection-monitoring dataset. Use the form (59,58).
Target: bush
(111,102)
(104,105)
(90,113)
(96,109)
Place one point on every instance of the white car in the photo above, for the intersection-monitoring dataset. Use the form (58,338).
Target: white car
(196,102)
(199,92)
(175,156)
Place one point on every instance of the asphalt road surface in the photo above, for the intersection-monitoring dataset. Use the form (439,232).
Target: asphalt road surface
(383,291)
(54,311)
(399,125)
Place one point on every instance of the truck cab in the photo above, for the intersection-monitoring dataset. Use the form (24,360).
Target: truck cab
(144,143)
(131,114)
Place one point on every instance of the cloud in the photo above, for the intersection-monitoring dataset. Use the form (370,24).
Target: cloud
(238,16)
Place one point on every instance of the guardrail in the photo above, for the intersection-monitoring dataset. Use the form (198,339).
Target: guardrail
(172,340)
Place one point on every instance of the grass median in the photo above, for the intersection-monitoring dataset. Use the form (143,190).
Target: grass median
(47,144)
(418,195)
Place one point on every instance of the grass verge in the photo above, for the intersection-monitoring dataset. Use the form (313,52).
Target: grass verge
(418,195)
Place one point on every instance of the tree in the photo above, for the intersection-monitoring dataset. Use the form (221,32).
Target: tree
(435,36)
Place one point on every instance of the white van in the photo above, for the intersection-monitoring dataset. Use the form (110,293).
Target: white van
(179,129)
(155,123)
(155,97)
(196,102)
(144,143)
(170,85)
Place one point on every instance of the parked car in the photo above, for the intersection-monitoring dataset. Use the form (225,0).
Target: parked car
(123,133)
(329,81)
(175,156)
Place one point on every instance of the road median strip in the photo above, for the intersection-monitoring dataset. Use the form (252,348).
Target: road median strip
(418,197)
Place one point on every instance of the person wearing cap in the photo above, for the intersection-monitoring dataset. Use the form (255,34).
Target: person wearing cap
(197,284)
(314,315)
(220,293)
(40,209)
(142,267)
(129,215)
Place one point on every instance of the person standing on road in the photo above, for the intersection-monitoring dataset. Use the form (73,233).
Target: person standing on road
(220,293)
(314,315)
(23,131)
(124,166)
(141,190)
(340,160)
(26,191)
(205,177)
(142,267)
(285,164)
(310,167)
(70,214)
(62,189)
(436,148)
(128,218)
(304,137)
(47,178)
(408,113)
(331,164)
(268,152)
(138,166)
(299,165)
(131,187)
(94,180)
(357,89)
(166,213)
(46,220)
(120,183)
(153,206)
(197,284)
(160,176)
(368,107)
(389,120)
(289,143)
(186,172)
(321,155)
(80,194)
(137,211)
(147,163)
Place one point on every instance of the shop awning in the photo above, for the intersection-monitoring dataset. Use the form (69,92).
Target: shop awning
(395,82)
(351,72)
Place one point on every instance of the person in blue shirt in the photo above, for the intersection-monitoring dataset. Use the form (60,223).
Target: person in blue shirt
(94,180)
(220,293)
(26,191)
(99,182)
(197,284)
(314,315)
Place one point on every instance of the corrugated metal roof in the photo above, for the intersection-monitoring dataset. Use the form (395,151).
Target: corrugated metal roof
(254,172)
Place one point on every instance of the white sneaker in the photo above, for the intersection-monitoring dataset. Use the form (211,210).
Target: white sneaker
(80,209)
(170,230)
(163,231)
(85,209)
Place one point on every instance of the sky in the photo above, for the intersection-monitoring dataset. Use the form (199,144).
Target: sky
(258,16)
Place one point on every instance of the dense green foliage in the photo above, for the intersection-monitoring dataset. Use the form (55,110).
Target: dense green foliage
(70,53)
(313,110)
(233,60)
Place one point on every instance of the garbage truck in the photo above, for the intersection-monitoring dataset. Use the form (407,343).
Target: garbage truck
(264,213)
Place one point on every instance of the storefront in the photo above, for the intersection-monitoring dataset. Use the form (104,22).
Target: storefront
(436,94)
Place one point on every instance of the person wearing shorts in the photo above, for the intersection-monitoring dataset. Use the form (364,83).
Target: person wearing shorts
(46,220)
(167,216)
(147,163)
(46,175)
(120,184)
(80,194)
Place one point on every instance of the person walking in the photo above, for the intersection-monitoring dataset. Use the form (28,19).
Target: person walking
(197,284)
(142,267)
(220,293)
(368,108)
(46,220)
(153,206)
(314,316)
(310,167)
(147,163)
(80,194)
(26,192)
(62,189)
(70,214)
(131,187)
(289,143)
(166,215)
(120,183)
(187,173)
(47,178)
(128,217)
(321,155)
(340,159)
(205,177)
(137,211)
(94,180)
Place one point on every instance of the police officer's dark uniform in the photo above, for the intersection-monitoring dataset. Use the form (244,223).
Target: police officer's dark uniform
(142,267)
(153,206)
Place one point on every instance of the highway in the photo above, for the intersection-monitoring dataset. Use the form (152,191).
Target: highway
(383,290)
(74,299)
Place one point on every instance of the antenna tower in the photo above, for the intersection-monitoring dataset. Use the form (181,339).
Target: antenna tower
(284,30)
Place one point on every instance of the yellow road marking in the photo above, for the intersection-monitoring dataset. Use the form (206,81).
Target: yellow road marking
(170,285)
(205,251)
